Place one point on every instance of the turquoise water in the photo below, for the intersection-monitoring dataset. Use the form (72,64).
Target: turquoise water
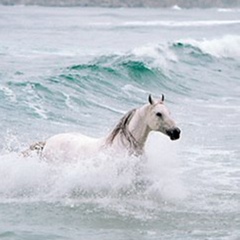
(81,69)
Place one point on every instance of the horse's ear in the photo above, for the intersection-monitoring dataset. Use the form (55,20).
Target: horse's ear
(150,99)
(163,97)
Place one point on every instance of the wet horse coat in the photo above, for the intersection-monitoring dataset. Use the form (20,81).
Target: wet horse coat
(130,134)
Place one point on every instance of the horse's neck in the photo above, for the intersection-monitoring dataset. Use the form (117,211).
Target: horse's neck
(138,127)
(131,133)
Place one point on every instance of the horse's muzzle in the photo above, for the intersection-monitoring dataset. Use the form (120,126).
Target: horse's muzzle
(174,133)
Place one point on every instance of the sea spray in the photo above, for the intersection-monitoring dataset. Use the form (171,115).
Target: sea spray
(225,47)
(152,176)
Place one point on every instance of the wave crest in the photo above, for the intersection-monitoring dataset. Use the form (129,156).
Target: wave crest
(227,46)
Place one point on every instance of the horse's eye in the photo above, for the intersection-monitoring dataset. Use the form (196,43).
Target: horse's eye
(159,114)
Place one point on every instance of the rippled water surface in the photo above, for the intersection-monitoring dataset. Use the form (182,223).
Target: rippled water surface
(81,69)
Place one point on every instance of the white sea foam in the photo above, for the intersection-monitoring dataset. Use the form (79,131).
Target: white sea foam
(8,93)
(227,46)
(176,7)
(163,23)
(34,102)
(160,55)
(228,10)
(156,177)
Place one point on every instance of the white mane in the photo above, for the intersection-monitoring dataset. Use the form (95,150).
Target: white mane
(122,130)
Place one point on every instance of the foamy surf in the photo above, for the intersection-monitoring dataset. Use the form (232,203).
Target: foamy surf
(227,46)
(155,176)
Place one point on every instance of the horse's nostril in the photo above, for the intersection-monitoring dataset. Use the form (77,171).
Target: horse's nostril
(177,131)
(174,134)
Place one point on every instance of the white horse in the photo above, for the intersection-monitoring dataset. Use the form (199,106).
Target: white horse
(130,134)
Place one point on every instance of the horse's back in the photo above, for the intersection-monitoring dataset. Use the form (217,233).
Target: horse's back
(70,146)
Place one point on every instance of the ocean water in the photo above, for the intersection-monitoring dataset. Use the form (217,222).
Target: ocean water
(81,69)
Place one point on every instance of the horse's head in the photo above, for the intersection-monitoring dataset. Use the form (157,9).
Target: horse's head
(159,119)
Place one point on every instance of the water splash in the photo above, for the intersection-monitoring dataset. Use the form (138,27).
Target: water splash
(104,176)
